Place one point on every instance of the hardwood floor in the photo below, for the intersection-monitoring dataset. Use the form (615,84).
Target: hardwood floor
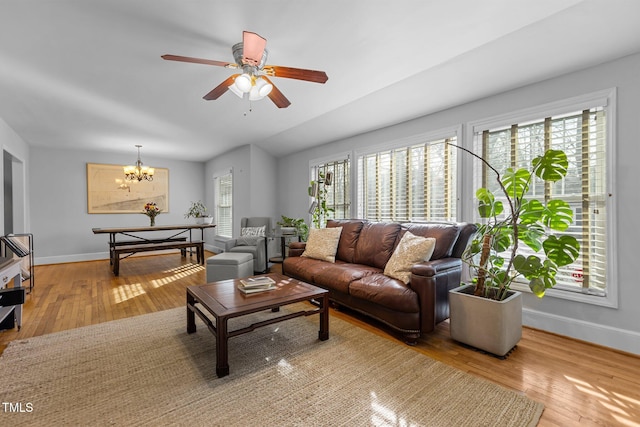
(580,384)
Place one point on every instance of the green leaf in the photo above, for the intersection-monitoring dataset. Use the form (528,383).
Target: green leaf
(516,183)
(552,166)
(530,267)
(496,261)
(558,215)
(531,211)
(562,251)
(547,280)
(501,239)
(488,207)
(531,235)
(537,287)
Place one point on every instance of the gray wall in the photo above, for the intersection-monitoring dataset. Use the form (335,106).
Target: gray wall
(58,196)
(613,327)
(254,182)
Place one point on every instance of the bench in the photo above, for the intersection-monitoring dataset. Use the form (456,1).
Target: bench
(141,242)
(157,246)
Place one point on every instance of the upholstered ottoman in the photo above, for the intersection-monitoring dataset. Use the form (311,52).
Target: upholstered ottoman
(229,265)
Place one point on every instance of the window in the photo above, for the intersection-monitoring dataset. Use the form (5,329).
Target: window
(337,194)
(583,136)
(414,182)
(334,189)
(224,203)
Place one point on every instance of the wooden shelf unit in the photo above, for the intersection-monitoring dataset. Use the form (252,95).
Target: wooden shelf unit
(21,246)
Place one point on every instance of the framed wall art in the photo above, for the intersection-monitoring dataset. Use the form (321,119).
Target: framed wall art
(109,192)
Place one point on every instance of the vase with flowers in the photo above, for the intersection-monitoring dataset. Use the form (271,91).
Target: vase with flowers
(151,210)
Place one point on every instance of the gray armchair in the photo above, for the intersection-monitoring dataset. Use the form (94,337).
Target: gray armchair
(253,240)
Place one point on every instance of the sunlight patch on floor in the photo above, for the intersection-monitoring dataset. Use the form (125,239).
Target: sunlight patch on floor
(624,409)
(284,368)
(177,273)
(127,291)
(384,417)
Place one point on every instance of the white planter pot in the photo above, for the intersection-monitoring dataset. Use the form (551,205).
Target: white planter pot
(204,220)
(489,325)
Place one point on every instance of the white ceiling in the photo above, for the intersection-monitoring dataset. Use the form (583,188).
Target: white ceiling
(88,74)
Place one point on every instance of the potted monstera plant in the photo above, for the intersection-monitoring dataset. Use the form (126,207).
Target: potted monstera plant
(520,239)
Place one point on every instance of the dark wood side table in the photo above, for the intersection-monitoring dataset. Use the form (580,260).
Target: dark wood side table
(283,244)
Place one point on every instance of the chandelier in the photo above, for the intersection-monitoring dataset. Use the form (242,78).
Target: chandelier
(138,172)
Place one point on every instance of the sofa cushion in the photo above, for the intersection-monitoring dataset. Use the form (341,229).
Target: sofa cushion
(322,243)
(341,274)
(305,269)
(387,292)
(446,235)
(411,250)
(376,243)
(348,237)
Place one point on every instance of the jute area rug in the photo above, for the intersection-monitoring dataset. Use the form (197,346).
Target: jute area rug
(147,370)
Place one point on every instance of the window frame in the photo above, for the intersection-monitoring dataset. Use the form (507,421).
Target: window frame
(606,99)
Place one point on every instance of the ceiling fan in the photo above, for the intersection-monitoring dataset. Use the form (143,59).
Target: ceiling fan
(250,56)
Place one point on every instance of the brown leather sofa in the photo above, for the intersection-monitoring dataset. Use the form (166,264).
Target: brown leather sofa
(356,279)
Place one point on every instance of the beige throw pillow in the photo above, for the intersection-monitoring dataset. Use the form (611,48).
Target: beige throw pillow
(323,243)
(411,250)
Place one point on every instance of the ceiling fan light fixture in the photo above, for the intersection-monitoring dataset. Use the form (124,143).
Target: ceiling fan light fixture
(254,94)
(233,88)
(243,82)
(263,87)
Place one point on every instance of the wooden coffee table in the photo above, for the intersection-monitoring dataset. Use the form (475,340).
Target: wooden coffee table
(223,301)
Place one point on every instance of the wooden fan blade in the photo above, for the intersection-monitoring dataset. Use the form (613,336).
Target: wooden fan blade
(296,73)
(276,96)
(219,90)
(252,48)
(196,60)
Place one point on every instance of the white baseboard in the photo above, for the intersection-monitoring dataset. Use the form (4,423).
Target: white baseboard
(60,259)
(620,339)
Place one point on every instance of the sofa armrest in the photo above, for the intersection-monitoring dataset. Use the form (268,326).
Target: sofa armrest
(432,268)
(296,248)
(229,244)
(432,280)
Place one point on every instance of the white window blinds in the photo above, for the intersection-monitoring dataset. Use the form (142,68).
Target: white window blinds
(224,204)
(413,183)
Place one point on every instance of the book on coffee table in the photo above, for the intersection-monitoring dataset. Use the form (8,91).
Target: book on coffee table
(255,290)
(256,284)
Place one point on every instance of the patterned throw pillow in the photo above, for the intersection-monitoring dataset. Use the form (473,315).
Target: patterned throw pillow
(322,243)
(411,250)
(252,231)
